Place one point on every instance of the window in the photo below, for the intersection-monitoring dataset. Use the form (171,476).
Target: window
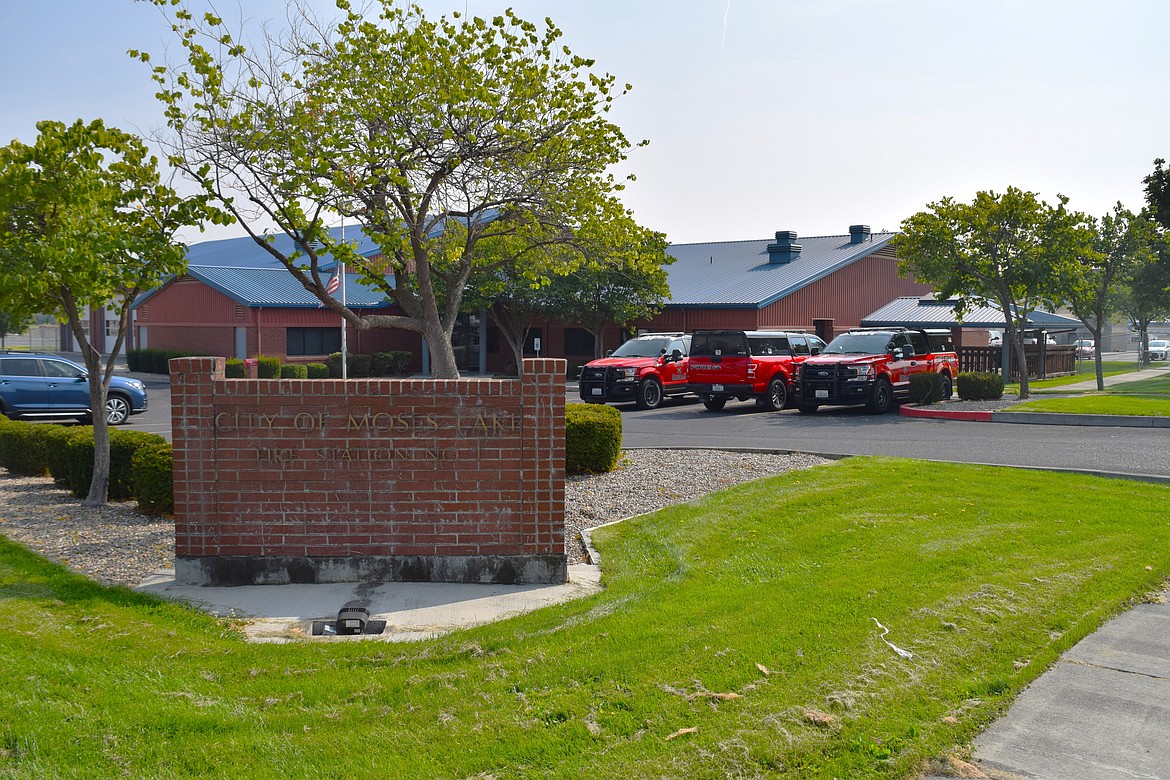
(769,345)
(56,368)
(799,345)
(918,341)
(578,341)
(312,341)
(20,367)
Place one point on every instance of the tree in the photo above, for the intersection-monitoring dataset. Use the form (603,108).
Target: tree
(618,290)
(1008,249)
(13,325)
(1091,287)
(437,137)
(86,223)
(1158,193)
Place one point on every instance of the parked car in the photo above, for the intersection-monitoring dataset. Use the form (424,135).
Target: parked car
(35,386)
(644,370)
(1159,349)
(756,364)
(1086,348)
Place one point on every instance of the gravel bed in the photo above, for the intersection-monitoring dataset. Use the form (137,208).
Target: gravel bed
(115,544)
(975,406)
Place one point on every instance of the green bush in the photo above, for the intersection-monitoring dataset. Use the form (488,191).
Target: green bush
(359,365)
(396,363)
(70,469)
(294,371)
(593,438)
(317,370)
(152,478)
(155,361)
(333,362)
(123,445)
(926,388)
(235,369)
(268,367)
(22,450)
(979,386)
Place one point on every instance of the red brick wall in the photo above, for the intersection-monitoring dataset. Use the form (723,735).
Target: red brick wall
(330,480)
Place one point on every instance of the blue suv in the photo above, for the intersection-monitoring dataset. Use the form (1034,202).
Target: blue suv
(34,385)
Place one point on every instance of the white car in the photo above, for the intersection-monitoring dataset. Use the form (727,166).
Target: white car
(1159,349)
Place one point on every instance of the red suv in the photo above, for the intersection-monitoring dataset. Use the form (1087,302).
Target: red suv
(745,364)
(644,370)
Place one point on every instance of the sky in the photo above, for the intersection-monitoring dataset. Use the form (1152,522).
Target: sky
(762,115)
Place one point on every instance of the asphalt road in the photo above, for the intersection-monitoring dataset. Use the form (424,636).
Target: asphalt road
(850,431)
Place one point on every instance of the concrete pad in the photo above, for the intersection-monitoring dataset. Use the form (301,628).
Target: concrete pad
(412,610)
(1102,712)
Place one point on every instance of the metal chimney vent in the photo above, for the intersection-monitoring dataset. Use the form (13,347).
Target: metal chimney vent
(858,233)
(785,250)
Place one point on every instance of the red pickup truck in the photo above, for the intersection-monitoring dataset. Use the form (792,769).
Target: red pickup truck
(644,370)
(872,366)
(741,364)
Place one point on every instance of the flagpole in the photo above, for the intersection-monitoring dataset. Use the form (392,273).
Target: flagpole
(344,356)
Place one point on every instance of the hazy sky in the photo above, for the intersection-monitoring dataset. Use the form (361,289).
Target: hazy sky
(762,115)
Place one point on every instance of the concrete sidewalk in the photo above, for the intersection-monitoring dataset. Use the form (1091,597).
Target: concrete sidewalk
(412,610)
(1102,712)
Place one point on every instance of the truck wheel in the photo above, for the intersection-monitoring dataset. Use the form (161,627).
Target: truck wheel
(649,394)
(881,400)
(714,404)
(806,408)
(948,387)
(777,395)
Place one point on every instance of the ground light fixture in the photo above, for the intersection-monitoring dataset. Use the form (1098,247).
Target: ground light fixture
(353,619)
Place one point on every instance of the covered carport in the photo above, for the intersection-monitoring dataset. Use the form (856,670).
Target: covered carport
(1044,360)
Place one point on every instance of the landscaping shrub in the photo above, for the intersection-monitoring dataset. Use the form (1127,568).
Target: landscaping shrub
(152,479)
(979,386)
(22,450)
(67,468)
(268,367)
(235,369)
(333,362)
(294,371)
(395,363)
(359,366)
(926,388)
(317,370)
(155,361)
(123,445)
(593,438)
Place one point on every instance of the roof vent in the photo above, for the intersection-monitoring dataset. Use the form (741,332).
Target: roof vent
(858,233)
(785,250)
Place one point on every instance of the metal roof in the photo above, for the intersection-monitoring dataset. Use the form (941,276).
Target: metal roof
(927,312)
(737,274)
(244,252)
(256,287)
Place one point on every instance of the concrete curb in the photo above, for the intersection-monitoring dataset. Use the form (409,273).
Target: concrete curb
(1038,418)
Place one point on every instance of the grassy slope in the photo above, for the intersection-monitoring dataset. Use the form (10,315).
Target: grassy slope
(985,574)
(1146,397)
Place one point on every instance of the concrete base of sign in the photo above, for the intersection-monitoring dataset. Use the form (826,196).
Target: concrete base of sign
(285,570)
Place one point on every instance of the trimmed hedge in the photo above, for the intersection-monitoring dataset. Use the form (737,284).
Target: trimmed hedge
(152,479)
(396,363)
(979,386)
(926,388)
(359,365)
(155,361)
(317,370)
(235,369)
(294,371)
(74,468)
(22,450)
(58,458)
(593,438)
(267,367)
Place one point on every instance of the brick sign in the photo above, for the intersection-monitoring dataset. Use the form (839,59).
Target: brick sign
(329,480)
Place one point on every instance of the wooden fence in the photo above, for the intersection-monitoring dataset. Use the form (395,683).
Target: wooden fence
(1044,360)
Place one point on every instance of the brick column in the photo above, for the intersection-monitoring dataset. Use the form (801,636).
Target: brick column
(543,471)
(192,418)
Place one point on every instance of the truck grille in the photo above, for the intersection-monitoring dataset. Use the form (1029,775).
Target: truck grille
(593,374)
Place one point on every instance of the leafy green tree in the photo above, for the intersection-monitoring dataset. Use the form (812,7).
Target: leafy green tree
(85,222)
(438,137)
(612,292)
(1093,283)
(13,325)
(1158,193)
(1008,249)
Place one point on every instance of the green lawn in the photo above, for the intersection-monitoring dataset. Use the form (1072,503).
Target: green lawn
(723,625)
(1099,404)
(1086,370)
